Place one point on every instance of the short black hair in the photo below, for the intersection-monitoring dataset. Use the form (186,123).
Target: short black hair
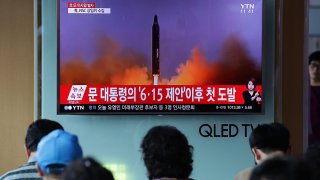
(37,130)
(167,153)
(270,137)
(281,168)
(315,56)
(86,169)
(312,156)
(253,80)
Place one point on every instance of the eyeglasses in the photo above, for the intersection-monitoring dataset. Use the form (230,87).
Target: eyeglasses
(314,64)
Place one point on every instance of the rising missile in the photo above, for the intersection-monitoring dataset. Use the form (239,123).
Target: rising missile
(155,50)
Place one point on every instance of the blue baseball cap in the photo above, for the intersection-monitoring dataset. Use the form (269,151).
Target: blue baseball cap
(56,150)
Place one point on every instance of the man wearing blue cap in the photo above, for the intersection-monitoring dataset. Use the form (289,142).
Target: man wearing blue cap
(55,152)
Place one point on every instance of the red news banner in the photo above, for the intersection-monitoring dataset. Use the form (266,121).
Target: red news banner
(149,94)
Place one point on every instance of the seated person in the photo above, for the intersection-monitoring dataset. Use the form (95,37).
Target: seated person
(267,141)
(35,132)
(55,152)
(281,168)
(167,154)
(86,169)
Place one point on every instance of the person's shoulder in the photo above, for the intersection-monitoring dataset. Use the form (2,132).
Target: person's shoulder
(244,174)
(11,172)
(26,171)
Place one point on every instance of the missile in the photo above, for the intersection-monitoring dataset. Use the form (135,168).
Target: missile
(155,50)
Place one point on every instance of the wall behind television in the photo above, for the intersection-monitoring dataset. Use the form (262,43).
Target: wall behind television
(115,140)
(16,77)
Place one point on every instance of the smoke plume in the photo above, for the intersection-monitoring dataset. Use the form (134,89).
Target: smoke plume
(118,66)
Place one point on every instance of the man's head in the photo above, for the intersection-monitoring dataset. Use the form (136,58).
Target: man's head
(314,68)
(86,169)
(269,140)
(281,168)
(36,131)
(167,153)
(56,151)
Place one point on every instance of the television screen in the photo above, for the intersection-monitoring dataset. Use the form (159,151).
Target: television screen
(160,57)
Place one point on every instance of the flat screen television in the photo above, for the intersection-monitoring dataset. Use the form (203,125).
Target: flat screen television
(160,57)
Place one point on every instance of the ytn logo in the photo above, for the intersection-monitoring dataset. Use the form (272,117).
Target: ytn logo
(79,108)
(247,8)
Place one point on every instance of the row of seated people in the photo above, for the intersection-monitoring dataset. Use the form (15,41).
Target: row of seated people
(56,154)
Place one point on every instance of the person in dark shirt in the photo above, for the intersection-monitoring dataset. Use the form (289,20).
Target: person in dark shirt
(314,73)
(167,154)
(86,169)
(267,141)
(251,97)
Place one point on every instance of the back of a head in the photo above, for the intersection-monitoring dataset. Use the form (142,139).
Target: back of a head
(37,130)
(315,56)
(281,168)
(167,153)
(312,157)
(270,137)
(56,151)
(86,169)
